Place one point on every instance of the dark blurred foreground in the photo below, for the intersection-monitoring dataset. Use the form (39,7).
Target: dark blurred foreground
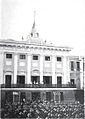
(43,110)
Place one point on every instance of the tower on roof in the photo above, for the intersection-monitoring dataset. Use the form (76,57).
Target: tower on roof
(34,32)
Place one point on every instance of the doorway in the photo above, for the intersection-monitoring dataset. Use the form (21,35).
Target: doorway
(35,79)
(59,81)
(48,96)
(8,80)
(21,81)
(9,96)
(47,80)
(22,96)
(61,96)
(72,81)
(35,96)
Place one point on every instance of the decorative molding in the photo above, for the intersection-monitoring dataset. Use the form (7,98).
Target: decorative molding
(34,46)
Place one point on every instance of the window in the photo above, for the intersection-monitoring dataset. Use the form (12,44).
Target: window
(8,79)
(78,66)
(61,96)
(47,58)
(20,79)
(9,56)
(72,81)
(35,57)
(59,59)
(59,81)
(22,56)
(72,66)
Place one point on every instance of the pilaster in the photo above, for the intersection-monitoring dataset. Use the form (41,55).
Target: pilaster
(15,67)
(1,67)
(54,96)
(41,69)
(81,74)
(65,70)
(53,70)
(28,68)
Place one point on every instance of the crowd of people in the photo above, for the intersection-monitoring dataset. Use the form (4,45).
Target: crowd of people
(43,110)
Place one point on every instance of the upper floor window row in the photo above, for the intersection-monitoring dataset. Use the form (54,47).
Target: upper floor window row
(22,56)
(72,66)
(47,58)
(75,66)
(35,57)
(59,59)
(9,56)
(78,66)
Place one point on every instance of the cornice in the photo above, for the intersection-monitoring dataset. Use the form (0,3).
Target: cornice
(34,47)
(21,46)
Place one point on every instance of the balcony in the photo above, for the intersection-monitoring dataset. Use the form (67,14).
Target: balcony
(39,86)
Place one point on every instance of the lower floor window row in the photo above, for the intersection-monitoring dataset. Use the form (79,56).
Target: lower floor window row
(47,80)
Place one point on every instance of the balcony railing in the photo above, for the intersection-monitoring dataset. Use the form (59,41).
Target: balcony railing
(38,86)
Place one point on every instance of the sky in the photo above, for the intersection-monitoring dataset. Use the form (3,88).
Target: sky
(61,22)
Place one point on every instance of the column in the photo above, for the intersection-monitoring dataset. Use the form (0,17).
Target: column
(54,96)
(59,97)
(65,81)
(2,79)
(19,95)
(41,69)
(15,68)
(53,70)
(28,69)
(81,74)
(67,69)
(42,95)
(28,95)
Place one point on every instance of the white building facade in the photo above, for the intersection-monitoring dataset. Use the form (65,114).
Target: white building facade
(38,69)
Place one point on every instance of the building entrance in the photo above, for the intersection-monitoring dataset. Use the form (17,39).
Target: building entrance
(21,81)
(72,81)
(57,98)
(35,96)
(61,96)
(16,97)
(35,79)
(22,96)
(48,96)
(59,81)
(8,96)
(8,80)
(47,80)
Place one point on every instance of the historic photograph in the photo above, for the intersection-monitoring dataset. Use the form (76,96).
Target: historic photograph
(42,59)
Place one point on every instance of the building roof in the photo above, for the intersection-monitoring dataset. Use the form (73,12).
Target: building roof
(33,39)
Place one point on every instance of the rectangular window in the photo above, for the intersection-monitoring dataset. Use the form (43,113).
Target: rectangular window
(47,58)
(72,81)
(22,56)
(59,81)
(35,57)
(8,79)
(59,59)
(72,66)
(9,56)
(78,66)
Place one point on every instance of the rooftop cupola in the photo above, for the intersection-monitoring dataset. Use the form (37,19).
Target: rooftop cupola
(33,37)
(34,32)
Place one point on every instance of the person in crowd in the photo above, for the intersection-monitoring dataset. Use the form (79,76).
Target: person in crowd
(42,110)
